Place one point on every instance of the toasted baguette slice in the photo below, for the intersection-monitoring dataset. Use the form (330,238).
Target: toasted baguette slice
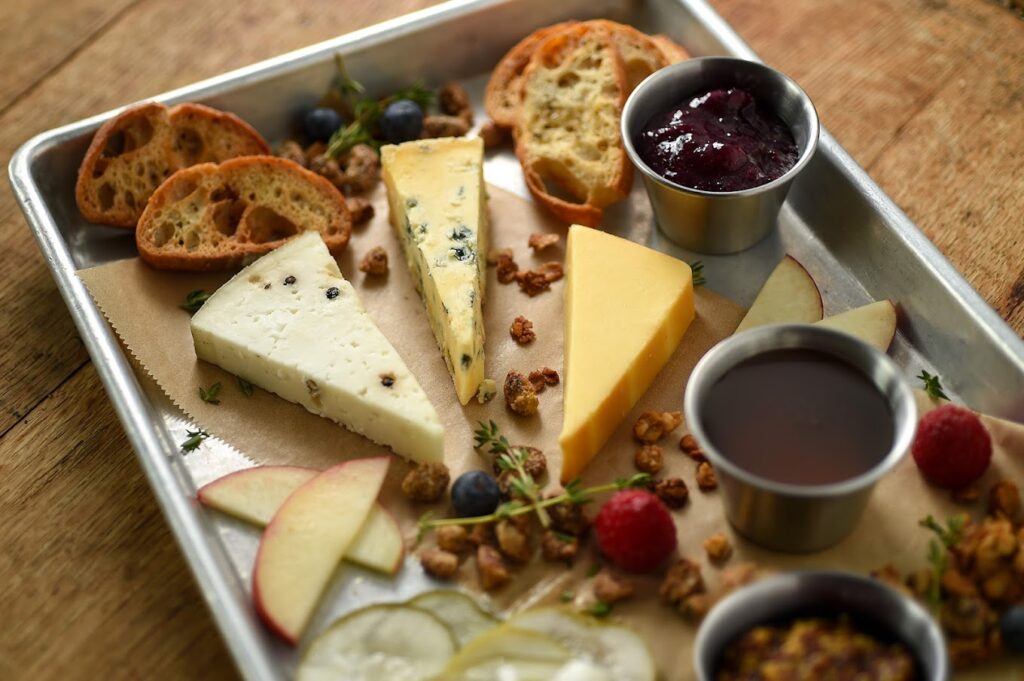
(502,97)
(134,152)
(215,217)
(567,130)
(640,54)
(670,49)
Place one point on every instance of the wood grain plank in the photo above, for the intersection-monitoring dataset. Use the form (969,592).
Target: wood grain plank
(36,36)
(197,39)
(93,578)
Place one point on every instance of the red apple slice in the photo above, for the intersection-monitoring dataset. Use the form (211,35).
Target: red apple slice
(255,494)
(307,538)
(789,296)
(875,323)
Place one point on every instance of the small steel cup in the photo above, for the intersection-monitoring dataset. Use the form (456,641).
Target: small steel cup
(719,222)
(789,517)
(869,603)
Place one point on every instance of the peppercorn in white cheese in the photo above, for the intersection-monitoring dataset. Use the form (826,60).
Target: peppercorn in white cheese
(290,323)
(438,209)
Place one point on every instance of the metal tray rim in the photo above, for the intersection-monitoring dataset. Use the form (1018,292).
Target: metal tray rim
(146,431)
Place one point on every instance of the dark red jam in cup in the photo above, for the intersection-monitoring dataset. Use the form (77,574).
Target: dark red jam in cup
(718,141)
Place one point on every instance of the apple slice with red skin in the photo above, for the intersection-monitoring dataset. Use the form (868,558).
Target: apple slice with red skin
(254,495)
(789,296)
(307,538)
(874,323)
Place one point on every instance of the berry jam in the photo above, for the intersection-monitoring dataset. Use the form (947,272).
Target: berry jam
(719,141)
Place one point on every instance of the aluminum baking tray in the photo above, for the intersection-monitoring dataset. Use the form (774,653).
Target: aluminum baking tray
(856,243)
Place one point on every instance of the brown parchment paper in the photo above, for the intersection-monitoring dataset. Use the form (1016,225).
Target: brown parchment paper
(142,306)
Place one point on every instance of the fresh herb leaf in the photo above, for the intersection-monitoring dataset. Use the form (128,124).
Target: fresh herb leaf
(422,525)
(697,269)
(210,395)
(951,533)
(634,481)
(932,386)
(245,386)
(939,560)
(195,438)
(194,300)
(575,492)
(599,609)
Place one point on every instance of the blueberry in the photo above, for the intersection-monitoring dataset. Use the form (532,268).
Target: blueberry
(321,122)
(1011,624)
(475,493)
(401,121)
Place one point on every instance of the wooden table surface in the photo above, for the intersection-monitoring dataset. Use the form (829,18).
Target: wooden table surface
(928,95)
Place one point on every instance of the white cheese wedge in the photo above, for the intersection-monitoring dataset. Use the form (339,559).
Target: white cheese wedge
(290,323)
(439,212)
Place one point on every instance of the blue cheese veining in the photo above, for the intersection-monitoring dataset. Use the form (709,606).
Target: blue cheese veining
(438,209)
(290,323)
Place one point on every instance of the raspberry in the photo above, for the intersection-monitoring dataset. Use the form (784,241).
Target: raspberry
(635,530)
(951,447)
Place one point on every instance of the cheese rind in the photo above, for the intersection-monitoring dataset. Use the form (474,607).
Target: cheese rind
(290,323)
(626,310)
(438,209)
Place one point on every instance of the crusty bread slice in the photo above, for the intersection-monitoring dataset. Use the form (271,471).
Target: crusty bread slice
(567,130)
(131,154)
(670,49)
(640,53)
(215,217)
(502,97)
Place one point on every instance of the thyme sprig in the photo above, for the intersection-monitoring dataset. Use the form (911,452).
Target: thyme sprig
(697,270)
(947,536)
(245,386)
(932,385)
(508,458)
(210,395)
(194,300)
(195,438)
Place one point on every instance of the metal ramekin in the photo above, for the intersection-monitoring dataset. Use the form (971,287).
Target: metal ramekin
(822,593)
(719,222)
(788,517)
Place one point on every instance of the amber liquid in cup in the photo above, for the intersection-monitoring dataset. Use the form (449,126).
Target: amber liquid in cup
(799,417)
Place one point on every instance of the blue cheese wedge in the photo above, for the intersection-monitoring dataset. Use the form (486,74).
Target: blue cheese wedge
(290,323)
(438,209)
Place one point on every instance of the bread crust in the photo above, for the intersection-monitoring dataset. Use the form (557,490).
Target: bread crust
(221,216)
(132,153)
(502,96)
(670,49)
(540,170)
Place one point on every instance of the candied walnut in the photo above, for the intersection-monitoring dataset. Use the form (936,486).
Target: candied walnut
(293,151)
(362,168)
(536,464)
(360,209)
(695,607)
(506,269)
(706,479)
(375,262)
(557,547)
(481,534)
(654,425)
(453,100)
(552,271)
(495,255)
(889,574)
(673,492)
(956,583)
(315,149)
(683,579)
(536,379)
(966,495)
(442,125)
(520,396)
(1001,587)
(491,568)
(427,482)
(550,376)
(439,563)
(532,282)
(492,134)
(522,330)
(612,588)
(329,169)
(967,616)
(513,539)
(690,447)
(538,242)
(649,459)
(717,547)
(453,538)
(1004,499)
(568,517)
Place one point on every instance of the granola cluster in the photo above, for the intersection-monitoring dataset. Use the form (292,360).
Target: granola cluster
(354,172)
(375,262)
